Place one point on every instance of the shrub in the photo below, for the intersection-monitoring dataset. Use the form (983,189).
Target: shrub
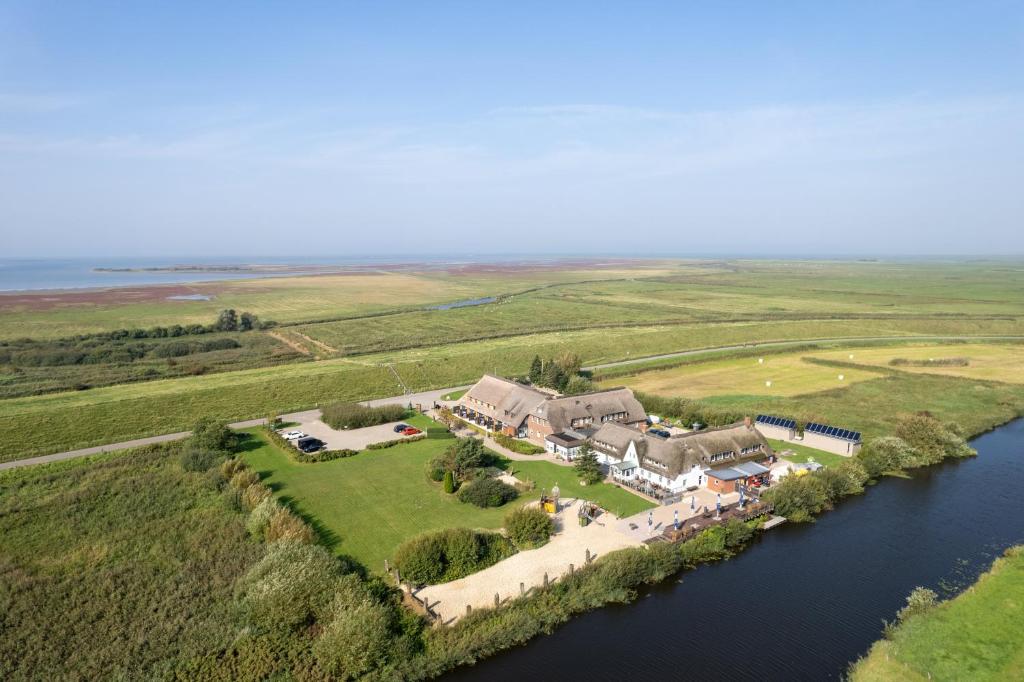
(799,498)
(466,456)
(260,517)
(397,441)
(230,467)
(487,492)
(210,434)
(438,467)
(449,482)
(931,440)
(529,527)
(355,641)
(291,585)
(446,555)
(516,445)
(244,478)
(285,525)
(883,455)
(254,495)
(195,459)
(354,415)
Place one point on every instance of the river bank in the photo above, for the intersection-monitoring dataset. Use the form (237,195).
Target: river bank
(807,598)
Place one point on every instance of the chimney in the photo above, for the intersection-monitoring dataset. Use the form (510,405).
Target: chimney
(746,422)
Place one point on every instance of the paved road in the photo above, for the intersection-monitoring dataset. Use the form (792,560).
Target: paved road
(424,398)
(428,397)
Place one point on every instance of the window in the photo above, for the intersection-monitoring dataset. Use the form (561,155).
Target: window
(720,456)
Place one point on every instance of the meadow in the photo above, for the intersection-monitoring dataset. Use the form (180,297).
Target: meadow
(366,505)
(118,566)
(993,362)
(802,453)
(603,314)
(974,636)
(767,375)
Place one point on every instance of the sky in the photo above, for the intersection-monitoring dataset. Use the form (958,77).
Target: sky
(454,128)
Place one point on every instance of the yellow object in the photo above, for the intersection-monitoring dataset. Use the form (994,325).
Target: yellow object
(549,507)
(801,472)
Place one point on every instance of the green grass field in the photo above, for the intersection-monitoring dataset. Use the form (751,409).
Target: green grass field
(803,454)
(661,307)
(365,506)
(975,636)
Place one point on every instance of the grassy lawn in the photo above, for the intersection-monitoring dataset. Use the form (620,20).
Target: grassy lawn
(365,506)
(454,395)
(788,373)
(805,454)
(975,636)
(994,362)
(546,475)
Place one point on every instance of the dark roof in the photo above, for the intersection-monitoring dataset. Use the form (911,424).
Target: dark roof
(596,405)
(565,440)
(833,432)
(776,421)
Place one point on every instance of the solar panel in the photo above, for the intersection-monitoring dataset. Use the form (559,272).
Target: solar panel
(775,421)
(833,432)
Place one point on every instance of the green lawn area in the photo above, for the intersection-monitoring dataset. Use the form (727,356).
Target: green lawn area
(454,395)
(975,636)
(365,506)
(805,454)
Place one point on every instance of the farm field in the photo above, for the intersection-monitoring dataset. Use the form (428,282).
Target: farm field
(365,506)
(974,636)
(788,374)
(993,362)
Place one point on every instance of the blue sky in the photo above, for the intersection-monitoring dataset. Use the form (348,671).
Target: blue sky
(482,127)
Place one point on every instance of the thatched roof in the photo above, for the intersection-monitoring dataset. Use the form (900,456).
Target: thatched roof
(500,399)
(614,439)
(679,454)
(595,408)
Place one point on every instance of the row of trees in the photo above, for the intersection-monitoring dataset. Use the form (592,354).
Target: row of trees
(563,374)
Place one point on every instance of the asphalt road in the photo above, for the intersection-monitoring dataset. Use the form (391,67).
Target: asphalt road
(428,397)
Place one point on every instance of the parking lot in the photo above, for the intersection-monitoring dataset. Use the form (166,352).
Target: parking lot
(353,439)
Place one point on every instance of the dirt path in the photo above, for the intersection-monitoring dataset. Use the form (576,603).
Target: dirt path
(330,350)
(291,343)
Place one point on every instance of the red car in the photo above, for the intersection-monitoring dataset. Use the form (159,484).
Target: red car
(410,431)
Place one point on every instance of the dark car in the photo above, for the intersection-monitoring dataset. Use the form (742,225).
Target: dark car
(401,427)
(659,433)
(310,444)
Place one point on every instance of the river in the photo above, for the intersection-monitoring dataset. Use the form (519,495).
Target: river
(803,601)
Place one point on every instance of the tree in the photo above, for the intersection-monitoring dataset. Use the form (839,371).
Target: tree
(247,322)
(536,371)
(468,455)
(553,376)
(587,466)
(577,385)
(210,434)
(290,585)
(449,482)
(529,527)
(570,363)
(227,321)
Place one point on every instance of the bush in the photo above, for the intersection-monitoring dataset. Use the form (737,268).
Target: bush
(529,527)
(355,641)
(466,456)
(260,516)
(244,478)
(450,554)
(931,440)
(516,445)
(437,468)
(487,492)
(449,482)
(195,459)
(884,455)
(798,498)
(210,434)
(354,415)
(397,441)
(254,495)
(290,586)
(285,525)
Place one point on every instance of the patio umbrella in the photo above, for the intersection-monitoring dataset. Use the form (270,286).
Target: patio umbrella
(691,502)
(675,518)
(741,496)
(650,519)
(718,505)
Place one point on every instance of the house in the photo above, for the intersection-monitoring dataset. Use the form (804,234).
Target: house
(499,405)
(832,439)
(566,445)
(779,428)
(585,411)
(716,458)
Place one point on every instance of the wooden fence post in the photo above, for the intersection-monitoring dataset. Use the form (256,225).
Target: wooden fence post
(545,580)
(497,600)
(522,588)
(571,569)
(469,609)
(589,558)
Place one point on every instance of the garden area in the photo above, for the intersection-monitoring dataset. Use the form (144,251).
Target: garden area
(365,506)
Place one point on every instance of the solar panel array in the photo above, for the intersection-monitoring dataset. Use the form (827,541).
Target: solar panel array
(776,421)
(834,432)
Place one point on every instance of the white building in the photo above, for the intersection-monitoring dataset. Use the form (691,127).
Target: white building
(680,462)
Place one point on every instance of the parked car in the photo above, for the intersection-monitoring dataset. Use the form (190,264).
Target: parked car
(410,431)
(659,433)
(401,427)
(310,444)
(293,435)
